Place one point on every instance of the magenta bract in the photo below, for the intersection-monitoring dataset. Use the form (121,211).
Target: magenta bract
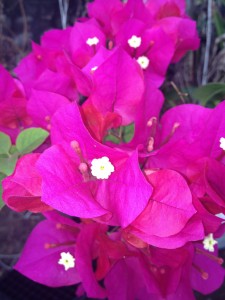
(63,179)
(41,254)
(12,105)
(22,190)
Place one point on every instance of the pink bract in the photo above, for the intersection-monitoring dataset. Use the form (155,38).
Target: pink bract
(12,105)
(63,181)
(22,190)
(40,256)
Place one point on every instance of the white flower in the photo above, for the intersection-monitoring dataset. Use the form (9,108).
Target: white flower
(221,216)
(209,243)
(92,41)
(143,62)
(222,143)
(67,260)
(94,68)
(134,41)
(101,168)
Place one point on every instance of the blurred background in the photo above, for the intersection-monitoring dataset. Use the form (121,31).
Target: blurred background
(198,78)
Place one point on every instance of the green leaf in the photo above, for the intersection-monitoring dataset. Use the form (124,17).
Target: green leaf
(4,155)
(209,92)
(13,150)
(219,22)
(5,143)
(7,164)
(121,134)
(29,139)
(112,138)
(128,133)
(2,176)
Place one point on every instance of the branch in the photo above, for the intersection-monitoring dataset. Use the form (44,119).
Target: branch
(208,43)
(63,8)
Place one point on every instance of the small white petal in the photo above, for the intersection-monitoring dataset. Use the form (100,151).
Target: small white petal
(92,41)
(221,216)
(209,243)
(101,168)
(94,68)
(143,61)
(222,143)
(67,260)
(134,41)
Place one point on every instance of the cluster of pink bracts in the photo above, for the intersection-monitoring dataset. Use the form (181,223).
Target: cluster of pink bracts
(125,220)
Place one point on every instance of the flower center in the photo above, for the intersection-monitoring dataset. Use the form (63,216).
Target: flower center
(222,143)
(92,41)
(209,243)
(94,69)
(134,41)
(143,62)
(67,260)
(101,168)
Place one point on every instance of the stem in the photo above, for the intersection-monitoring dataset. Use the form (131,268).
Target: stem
(63,8)
(208,43)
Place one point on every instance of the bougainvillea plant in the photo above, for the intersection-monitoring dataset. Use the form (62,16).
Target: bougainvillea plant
(130,196)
